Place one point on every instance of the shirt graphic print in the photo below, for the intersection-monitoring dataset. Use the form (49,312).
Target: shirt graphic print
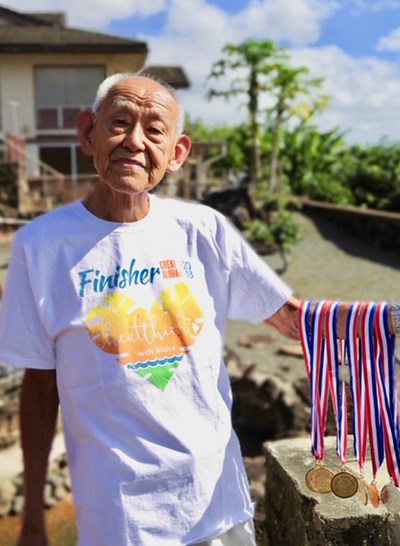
(151,342)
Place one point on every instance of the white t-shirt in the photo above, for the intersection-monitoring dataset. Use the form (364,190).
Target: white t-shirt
(132,316)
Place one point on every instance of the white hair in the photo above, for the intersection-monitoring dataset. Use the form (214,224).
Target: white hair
(109,83)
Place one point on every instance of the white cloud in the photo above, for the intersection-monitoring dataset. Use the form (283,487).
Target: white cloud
(391,42)
(365,93)
(298,22)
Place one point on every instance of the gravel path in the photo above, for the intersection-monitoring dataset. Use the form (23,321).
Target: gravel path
(326,264)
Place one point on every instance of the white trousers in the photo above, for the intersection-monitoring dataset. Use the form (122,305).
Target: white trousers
(240,535)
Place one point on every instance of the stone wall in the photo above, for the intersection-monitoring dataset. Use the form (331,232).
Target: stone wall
(377,228)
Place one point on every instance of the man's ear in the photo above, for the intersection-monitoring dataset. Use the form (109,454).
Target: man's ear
(182,149)
(84,125)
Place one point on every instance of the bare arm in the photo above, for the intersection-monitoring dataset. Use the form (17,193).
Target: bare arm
(285,320)
(38,417)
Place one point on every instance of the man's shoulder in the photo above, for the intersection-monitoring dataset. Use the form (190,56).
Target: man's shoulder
(191,212)
(50,224)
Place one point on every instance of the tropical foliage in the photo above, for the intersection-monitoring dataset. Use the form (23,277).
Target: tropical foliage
(281,148)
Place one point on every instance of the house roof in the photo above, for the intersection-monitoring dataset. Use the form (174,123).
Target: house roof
(47,33)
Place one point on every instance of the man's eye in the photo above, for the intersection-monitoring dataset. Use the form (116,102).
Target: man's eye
(154,131)
(120,122)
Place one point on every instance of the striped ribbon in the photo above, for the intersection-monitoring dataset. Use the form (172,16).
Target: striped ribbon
(375,432)
(360,416)
(304,333)
(337,386)
(316,365)
(387,393)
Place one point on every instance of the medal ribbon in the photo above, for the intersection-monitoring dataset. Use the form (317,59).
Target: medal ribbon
(338,390)
(386,387)
(304,333)
(370,381)
(316,363)
(360,416)
(386,343)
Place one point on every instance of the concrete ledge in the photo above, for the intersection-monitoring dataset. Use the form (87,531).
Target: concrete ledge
(296,516)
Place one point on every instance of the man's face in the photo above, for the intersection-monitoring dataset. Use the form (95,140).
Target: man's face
(134,135)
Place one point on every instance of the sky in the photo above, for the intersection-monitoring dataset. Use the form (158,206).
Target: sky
(353,44)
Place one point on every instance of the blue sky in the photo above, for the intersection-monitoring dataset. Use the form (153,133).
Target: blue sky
(353,44)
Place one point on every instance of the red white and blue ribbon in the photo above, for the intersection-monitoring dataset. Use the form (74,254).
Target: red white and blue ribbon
(337,386)
(360,416)
(386,388)
(316,364)
(304,333)
(371,356)
(375,433)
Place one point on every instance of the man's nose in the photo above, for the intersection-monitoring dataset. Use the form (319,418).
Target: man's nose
(134,137)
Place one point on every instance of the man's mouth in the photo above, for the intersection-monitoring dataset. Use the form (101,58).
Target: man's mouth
(129,163)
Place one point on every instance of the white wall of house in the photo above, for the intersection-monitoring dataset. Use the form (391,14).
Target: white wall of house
(17,95)
(17,92)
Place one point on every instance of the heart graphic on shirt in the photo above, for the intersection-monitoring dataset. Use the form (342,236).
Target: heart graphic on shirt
(151,342)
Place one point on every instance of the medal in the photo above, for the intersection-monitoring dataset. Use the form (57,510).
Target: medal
(363,490)
(373,494)
(344,484)
(319,478)
(390,496)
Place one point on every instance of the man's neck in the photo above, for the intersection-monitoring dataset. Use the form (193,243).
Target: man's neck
(116,206)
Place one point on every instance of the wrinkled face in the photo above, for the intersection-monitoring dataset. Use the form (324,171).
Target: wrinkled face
(134,135)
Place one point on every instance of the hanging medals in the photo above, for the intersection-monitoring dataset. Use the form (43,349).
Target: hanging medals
(371,360)
(358,395)
(344,484)
(368,357)
(318,478)
(386,388)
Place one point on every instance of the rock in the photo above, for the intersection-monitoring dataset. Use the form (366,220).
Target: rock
(49,499)
(7,494)
(17,505)
(268,405)
(298,516)
(255,341)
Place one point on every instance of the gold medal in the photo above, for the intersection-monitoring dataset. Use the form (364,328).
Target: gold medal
(362,488)
(344,484)
(319,478)
(390,496)
(373,494)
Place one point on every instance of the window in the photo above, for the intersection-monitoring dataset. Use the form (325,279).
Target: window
(68,160)
(62,91)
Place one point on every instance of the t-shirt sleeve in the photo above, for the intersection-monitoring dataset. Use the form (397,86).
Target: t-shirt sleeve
(24,342)
(256,292)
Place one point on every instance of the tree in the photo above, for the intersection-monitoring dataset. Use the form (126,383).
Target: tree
(261,70)
(250,64)
(287,84)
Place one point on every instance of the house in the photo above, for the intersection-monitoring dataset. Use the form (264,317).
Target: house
(48,72)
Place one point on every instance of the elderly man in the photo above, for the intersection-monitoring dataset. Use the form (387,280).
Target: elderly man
(118,304)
